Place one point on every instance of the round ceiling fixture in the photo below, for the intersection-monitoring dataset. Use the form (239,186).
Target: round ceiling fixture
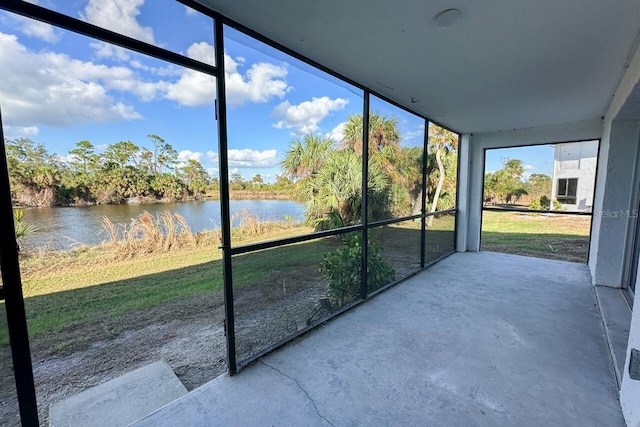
(448,17)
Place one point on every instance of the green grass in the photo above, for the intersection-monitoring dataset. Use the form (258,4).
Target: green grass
(563,237)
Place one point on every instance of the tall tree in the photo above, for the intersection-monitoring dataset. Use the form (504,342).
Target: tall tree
(34,173)
(121,154)
(441,141)
(328,178)
(195,177)
(305,156)
(84,157)
(164,155)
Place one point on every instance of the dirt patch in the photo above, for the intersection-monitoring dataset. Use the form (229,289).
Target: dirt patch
(573,250)
(188,334)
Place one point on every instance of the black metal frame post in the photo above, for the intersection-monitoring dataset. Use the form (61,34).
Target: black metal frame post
(423,209)
(14,302)
(221,113)
(364,288)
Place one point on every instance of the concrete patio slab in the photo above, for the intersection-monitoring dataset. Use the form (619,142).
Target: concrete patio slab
(121,401)
(479,339)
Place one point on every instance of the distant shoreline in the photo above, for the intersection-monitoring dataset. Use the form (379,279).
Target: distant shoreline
(233,195)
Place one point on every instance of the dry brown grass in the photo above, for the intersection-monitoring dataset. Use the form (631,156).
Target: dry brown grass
(148,234)
(249,227)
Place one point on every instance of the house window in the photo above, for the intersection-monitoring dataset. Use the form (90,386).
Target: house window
(567,190)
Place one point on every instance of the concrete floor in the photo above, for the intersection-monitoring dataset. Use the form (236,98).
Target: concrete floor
(479,339)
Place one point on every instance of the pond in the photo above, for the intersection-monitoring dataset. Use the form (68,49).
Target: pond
(69,227)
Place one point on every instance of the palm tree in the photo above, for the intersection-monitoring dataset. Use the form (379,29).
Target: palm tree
(305,156)
(22,228)
(383,132)
(329,179)
(443,141)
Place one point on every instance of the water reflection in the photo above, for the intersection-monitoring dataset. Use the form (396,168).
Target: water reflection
(67,227)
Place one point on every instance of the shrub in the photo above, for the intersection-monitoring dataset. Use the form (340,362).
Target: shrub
(535,205)
(342,268)
(545,202)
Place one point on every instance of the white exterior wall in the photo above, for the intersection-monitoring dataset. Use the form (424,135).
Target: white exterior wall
(576,160)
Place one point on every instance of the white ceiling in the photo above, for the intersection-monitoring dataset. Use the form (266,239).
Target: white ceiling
(505,64)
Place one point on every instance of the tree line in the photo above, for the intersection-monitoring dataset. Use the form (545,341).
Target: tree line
(124,171)
(507,186)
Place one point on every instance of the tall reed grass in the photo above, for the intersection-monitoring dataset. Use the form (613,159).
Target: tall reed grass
(147,233)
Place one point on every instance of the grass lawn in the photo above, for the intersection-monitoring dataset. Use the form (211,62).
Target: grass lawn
(562,237)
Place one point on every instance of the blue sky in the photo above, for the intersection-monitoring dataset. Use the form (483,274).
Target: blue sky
(535,159)
(58,88)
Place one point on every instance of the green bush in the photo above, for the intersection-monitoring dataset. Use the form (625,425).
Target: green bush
(342,269)
(544,203)
(535,205)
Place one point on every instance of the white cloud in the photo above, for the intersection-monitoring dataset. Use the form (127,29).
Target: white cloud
(193,89)
(304,117)
(20,131)
(337,133)
(528,167)
(186,155)
(212,156)
(48,88)
(53,89)
(418,132)
(31,27)
(260,83)
(118,16)
(41,30)
(190,12)
(202,51)
(246,158)
(108,51)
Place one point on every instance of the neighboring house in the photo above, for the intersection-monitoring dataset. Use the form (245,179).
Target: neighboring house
(574,174)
